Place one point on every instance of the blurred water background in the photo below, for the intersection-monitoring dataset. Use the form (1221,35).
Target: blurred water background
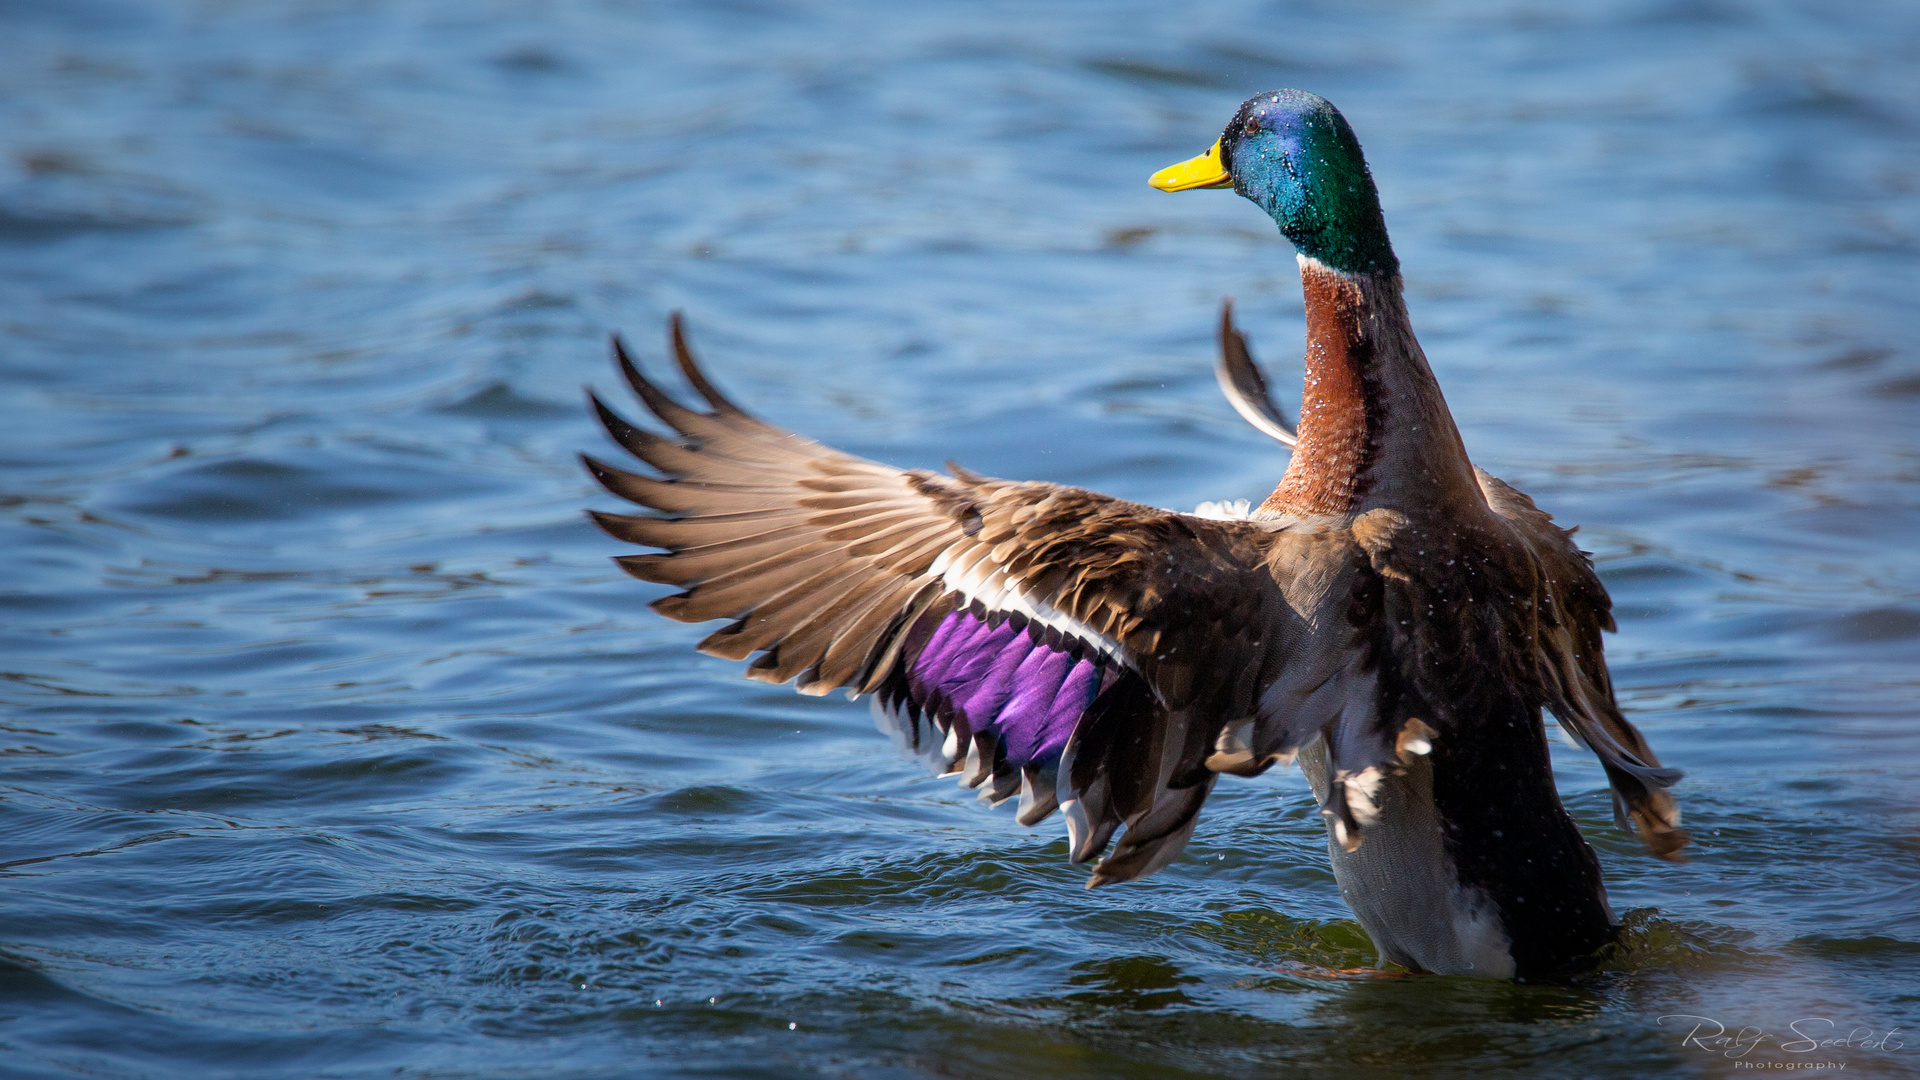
(332,744)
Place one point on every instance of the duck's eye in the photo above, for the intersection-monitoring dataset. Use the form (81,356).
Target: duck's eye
(1251,127)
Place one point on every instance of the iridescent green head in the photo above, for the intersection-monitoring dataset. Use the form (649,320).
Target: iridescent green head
(1293,154)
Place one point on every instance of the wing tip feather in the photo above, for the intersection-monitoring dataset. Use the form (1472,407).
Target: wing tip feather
(691,370)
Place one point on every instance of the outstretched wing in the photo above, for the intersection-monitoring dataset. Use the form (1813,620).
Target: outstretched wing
(1077,650)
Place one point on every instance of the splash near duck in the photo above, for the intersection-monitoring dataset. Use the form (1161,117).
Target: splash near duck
(1391,617)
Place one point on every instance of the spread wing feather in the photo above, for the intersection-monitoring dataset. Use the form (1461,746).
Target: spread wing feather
(1080,651)
(1245,385)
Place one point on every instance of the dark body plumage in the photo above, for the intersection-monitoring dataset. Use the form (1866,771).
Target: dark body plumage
(1392,615)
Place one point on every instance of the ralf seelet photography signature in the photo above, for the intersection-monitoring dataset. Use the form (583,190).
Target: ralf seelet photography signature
(1807,1035)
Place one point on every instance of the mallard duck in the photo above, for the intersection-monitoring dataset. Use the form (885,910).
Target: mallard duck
(1391,616)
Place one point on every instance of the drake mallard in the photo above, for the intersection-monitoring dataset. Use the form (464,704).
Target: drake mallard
(1392,616)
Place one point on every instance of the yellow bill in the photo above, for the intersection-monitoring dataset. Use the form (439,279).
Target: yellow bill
(1201,172)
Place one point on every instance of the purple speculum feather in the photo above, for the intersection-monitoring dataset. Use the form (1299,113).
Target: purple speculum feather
(1006,679)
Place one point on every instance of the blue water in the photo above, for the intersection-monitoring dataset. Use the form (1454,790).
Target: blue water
(332,745)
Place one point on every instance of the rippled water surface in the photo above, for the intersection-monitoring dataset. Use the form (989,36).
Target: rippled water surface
(332,745)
